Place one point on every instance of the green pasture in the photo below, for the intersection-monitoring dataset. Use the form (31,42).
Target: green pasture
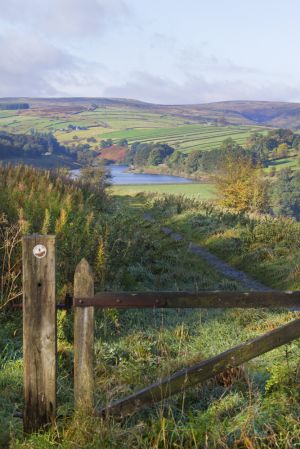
(126,122)
(280,164)
(201,191)
(183,137)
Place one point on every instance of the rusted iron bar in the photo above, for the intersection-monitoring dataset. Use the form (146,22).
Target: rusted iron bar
(207,299)
(204,299)
(203,371)
(66,305)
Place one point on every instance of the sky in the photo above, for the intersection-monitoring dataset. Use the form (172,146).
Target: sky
(161,51)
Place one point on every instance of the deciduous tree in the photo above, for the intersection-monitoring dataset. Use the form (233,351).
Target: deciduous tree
(241,185)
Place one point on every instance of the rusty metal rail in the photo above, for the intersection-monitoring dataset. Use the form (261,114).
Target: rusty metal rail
(203,299)
(66,305)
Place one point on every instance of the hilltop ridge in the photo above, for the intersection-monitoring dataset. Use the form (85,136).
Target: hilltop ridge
(243,112)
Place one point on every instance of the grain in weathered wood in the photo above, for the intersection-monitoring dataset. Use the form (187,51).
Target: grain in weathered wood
(204,370)
(39,333)
(84,340)
(208,299)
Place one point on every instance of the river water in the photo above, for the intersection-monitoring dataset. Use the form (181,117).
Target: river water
(120,175)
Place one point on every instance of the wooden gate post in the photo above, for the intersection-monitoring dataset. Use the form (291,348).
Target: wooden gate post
(39,331)
(84,339)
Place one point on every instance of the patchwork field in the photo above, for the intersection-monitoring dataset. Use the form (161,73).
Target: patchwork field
(123,121)
(280,164)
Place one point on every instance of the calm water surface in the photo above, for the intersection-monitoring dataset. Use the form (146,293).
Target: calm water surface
(121,176)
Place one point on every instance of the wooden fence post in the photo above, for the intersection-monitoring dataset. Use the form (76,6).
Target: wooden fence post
(84,340)
(39,331)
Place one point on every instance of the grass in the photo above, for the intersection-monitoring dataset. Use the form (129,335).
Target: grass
(279,164)
(183,137)
(265,247)
(257,408)
(201,191)
(138,347)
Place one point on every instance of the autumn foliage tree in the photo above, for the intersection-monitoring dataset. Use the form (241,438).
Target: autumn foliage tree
(241,185)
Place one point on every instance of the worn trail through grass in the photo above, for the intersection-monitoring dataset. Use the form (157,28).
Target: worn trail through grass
(221,266)
(243,279)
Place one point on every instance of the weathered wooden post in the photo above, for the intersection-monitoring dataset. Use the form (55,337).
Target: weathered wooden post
(84,339)
(39,331)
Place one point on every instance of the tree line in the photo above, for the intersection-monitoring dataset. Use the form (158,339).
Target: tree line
(259,148)
(36,144)
(29,145)
(141,154)
(13,106)
(236,170)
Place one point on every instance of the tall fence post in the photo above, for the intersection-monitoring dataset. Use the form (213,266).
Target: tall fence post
(39,331)
(84,339)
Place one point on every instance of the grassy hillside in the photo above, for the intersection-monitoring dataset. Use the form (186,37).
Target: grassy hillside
(264,246)
(122,121)
(276,114)
(182,137)
(255,407)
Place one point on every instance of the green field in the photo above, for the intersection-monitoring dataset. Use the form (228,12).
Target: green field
(280,164)
(125,122)
(201,191)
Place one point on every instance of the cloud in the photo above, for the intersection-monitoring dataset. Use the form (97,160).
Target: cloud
(48,46)
(38,50)
(35,67)
(199,90)
(194,58)
(70,19)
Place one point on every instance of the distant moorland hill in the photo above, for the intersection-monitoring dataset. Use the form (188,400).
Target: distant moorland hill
(267,113)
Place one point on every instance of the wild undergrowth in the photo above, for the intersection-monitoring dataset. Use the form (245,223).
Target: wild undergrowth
(266,247)
(256,406)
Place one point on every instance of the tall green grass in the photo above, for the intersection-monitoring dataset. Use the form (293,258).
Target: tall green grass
(264,246)
(255,407)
